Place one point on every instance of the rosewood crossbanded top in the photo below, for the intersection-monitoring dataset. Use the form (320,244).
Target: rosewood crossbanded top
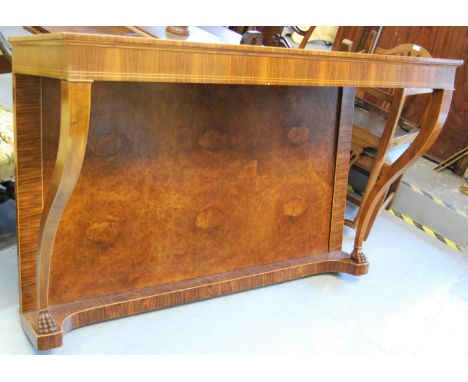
(85,57)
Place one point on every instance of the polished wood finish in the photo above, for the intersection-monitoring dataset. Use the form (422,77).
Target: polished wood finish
(115,58)
(84,312)
(388,132)
(306,37)
(195,181)
(362,38)
(433,122)
(409,50)
(447,42)
(75,110)
(236,180)
(341,168)
(29,191)
(377,126)
(178,31)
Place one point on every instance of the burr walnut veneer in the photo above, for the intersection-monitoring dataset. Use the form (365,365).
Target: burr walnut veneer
(152,173)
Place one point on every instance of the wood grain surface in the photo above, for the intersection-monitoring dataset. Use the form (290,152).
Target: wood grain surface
(449,42)
(435,117)
(29,193)
(343,148)
(76,56)
(73,315)
(181,181)
(195,181)
(75,108)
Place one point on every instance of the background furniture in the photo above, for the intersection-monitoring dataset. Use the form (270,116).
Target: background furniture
(227,195)
(378,129)
(273,35)
(441,41)
(7,163)
(5,55)
(303,35)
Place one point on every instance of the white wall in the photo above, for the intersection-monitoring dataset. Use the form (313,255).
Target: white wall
(6,92)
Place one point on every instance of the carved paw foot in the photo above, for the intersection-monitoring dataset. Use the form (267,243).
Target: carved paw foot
(358,256)
(45,323)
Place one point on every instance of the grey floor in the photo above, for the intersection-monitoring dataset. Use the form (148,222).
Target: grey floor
(414,300)
(444,185)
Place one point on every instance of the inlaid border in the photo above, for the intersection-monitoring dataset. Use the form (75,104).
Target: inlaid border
(74,315)
(342,157)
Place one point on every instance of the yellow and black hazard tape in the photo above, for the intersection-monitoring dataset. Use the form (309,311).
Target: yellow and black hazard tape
(435,199)
(423,228)
(410,221)
(353,190)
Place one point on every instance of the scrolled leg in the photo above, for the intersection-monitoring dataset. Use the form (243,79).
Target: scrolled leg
(74,124)
(436,115)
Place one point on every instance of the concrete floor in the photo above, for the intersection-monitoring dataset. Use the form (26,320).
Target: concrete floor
(444,185)
(413,301)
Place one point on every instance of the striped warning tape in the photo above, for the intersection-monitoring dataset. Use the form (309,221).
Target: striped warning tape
(435,199)
(410,221)
(423,228)
(353,190)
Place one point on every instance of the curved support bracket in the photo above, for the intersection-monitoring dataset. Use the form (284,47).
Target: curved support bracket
(74,124)
(435,117)
(394,116)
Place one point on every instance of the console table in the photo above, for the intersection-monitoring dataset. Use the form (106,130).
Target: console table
(152,173)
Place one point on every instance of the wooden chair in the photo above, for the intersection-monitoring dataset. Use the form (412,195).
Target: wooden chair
(7,163)
(272,35)
(378,129)
(5,55)
(357,39)
(306,34)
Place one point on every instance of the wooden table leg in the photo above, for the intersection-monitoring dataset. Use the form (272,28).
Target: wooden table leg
(434,121)
(74,124)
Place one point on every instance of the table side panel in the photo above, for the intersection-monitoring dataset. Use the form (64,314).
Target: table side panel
(182,181)
(343,148)
(29,196)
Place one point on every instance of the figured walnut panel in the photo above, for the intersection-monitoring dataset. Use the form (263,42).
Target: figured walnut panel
(183,181)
